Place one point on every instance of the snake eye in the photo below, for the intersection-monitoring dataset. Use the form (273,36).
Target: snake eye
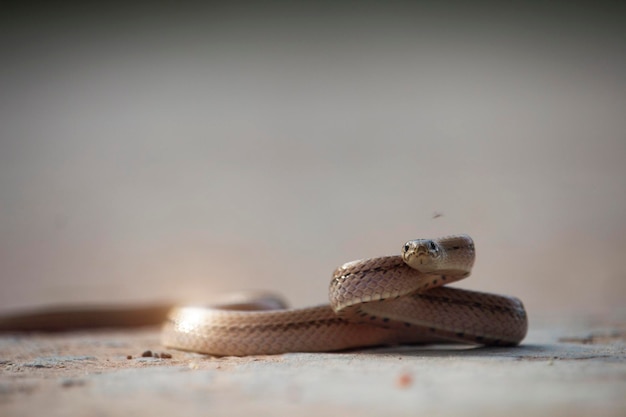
(432,246)
(406,247)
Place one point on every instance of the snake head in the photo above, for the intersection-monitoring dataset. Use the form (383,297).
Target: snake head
(422,254)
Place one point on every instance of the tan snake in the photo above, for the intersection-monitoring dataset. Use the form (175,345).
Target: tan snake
(379,301)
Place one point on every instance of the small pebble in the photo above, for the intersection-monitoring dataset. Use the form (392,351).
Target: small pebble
(161,355)
(129,356)
(146,354)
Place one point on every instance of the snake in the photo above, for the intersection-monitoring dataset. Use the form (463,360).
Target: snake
(388,300)
(383,301)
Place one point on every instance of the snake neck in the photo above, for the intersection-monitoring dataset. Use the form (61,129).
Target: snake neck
(457,255)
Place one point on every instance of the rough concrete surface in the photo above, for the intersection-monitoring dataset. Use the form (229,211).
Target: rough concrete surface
(557,371)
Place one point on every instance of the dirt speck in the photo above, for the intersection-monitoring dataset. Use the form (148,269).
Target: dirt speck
(405,380)
(70,382)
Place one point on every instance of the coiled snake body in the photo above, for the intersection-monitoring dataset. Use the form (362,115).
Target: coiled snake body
(378,301)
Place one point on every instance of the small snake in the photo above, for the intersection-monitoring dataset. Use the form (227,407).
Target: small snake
(378,301)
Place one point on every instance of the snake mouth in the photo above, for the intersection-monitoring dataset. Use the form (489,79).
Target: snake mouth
(422,257)
(417,256)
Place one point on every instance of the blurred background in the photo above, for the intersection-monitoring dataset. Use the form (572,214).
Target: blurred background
(182,152)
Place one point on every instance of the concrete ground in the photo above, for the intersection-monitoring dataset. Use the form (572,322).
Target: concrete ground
(559,370)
